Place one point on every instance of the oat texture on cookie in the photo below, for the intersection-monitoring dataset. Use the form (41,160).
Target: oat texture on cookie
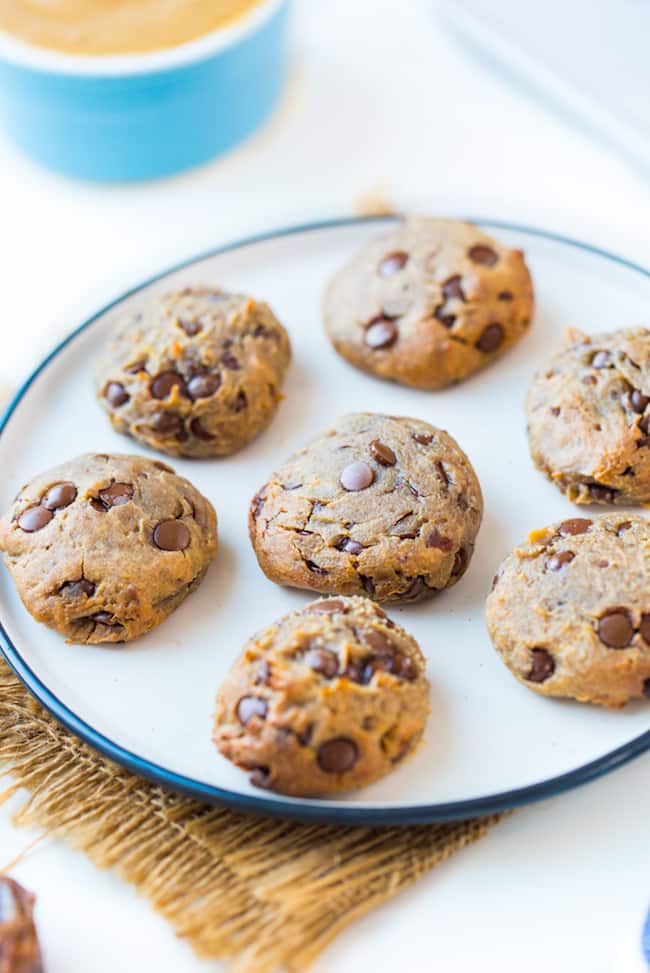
(385,506)
(328,698)
(103,548)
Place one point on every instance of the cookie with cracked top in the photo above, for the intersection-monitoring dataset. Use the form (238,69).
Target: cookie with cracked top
(328,698)
(429,303)
(104,548)
(569,613)
(589,417)
(196,373)
(385,506)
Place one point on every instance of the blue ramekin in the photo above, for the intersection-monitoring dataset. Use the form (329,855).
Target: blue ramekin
(142,116)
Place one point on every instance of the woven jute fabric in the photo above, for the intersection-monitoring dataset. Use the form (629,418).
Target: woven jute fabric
(263,894)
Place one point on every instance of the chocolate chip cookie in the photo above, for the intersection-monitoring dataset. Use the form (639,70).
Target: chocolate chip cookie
(589,417)
(329,698)
(104,548)
(196,373)
(570,610)
(380,505)
(429,303)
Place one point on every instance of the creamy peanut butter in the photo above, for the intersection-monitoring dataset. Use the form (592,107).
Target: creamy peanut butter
(116,26)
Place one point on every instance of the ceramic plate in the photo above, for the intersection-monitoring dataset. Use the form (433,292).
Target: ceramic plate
(490,743)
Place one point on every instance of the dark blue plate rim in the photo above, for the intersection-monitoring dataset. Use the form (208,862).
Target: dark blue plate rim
(296,809)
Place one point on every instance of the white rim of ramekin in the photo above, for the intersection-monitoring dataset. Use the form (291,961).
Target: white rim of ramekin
(116,65)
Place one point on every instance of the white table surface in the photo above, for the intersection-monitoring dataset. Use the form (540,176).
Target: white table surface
(381,98)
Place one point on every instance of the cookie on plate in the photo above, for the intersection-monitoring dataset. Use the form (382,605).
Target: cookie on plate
(379,505)
(328,698)
(429,303)
(104,548)
(570,610)
(196,373)
(589,417)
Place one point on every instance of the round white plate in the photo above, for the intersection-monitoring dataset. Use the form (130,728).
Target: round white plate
(490,743)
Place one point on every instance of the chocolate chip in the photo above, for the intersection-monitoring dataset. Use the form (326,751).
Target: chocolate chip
(163,383)
(379,642)
(261,777)
(116,495)
(505,295)
(324,661)
(241,402)
(436,539)
(576,525)
(167,422)
(373,664)
(404,667)
(256,504)
(555,411)
(367,584)
(315,568)
(357,476)
(423,438)
(349,546)
(481,254)
(354,672)
(442,472)
(491,337)
(382,453)
(644,425)
(557,561)
(393,263)
(381,332)
(602,494)
(638,401)
(448,320)
(106,618)
(250,706)
(337,755)
(203,385)
(77,588)
(601,359)
(615,628)
(620,530)
(415,588)
(198,429)
(644,628)
(116,394)
(171,535)
(59,495)
(646,688)
(138,366)
(329,606)
(34,518)
(460,563)
(542,667)
(453,288)
(190,326)
(228,360)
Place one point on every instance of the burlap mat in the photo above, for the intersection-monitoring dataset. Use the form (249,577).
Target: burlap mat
(263,894)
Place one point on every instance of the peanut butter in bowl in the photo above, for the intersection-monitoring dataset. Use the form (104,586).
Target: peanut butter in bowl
(105,27)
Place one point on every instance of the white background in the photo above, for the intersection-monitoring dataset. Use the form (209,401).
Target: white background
(379,97)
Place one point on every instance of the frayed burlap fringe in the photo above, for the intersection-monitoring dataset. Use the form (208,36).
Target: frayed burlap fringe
(266,895)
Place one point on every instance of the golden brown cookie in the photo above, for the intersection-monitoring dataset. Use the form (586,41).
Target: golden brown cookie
(196,373)
(570,610)
(104,548)
(589,417)
(328,698)
(428,303)
(379,505)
